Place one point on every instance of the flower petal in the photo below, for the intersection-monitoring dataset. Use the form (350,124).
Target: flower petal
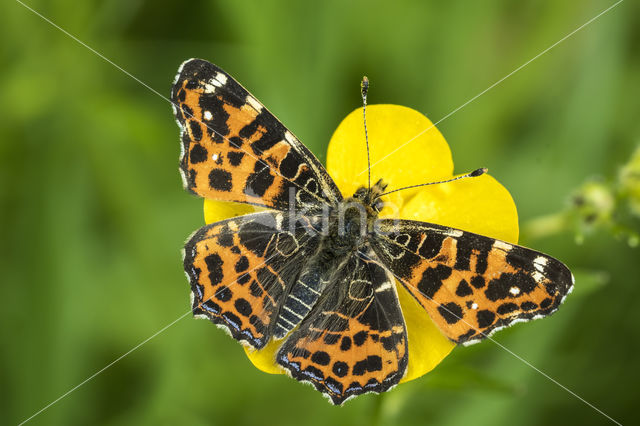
(426,158)
(215,211)
(265,358)
(480,205)
(427,345)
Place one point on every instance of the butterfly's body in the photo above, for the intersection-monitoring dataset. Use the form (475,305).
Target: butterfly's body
(317,272)
(351,222)
(342,234)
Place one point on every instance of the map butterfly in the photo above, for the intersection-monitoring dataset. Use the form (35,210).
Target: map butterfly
(317,271)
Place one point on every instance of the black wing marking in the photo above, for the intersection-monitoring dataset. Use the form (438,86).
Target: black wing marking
(354,340)
(234,149)
(470,285)
(241,270)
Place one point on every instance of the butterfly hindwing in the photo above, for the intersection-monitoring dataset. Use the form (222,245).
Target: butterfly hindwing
(241,268)
(470,285)
(234,149)
(354,341)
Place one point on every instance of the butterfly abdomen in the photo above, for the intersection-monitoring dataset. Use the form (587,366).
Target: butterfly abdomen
(344,235)
(306,291)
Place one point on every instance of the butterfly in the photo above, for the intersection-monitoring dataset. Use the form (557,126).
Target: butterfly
(317,271)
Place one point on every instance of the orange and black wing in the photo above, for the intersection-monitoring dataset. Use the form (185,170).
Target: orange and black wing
(354,339)
(241,269)
(233,149)
(470,285)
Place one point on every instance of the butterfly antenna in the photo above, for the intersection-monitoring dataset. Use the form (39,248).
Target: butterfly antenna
(475,173)
(364,88)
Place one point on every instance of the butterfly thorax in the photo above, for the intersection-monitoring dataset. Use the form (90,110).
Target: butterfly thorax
(351,221)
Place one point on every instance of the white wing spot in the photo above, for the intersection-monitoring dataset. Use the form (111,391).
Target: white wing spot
(514,290)
(474,306)
(538,277)
(208,115)
(384,287)
(211,85)
(539,263)
(215,157)
(209,88)
(254,103)
(541,260)
(289,137)
(222,79)
(279,219)
(502,245)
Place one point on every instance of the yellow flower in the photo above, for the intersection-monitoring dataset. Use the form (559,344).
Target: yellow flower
(480,205)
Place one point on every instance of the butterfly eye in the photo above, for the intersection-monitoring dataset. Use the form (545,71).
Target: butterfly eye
(378,205)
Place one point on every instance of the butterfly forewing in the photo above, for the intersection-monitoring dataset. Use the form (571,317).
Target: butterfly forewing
(234,149)
(354,341)
(470,285)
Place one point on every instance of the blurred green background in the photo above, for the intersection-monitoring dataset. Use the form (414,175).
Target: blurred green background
(93,214)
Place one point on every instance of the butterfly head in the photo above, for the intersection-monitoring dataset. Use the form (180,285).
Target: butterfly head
(370,197)
(353,219)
